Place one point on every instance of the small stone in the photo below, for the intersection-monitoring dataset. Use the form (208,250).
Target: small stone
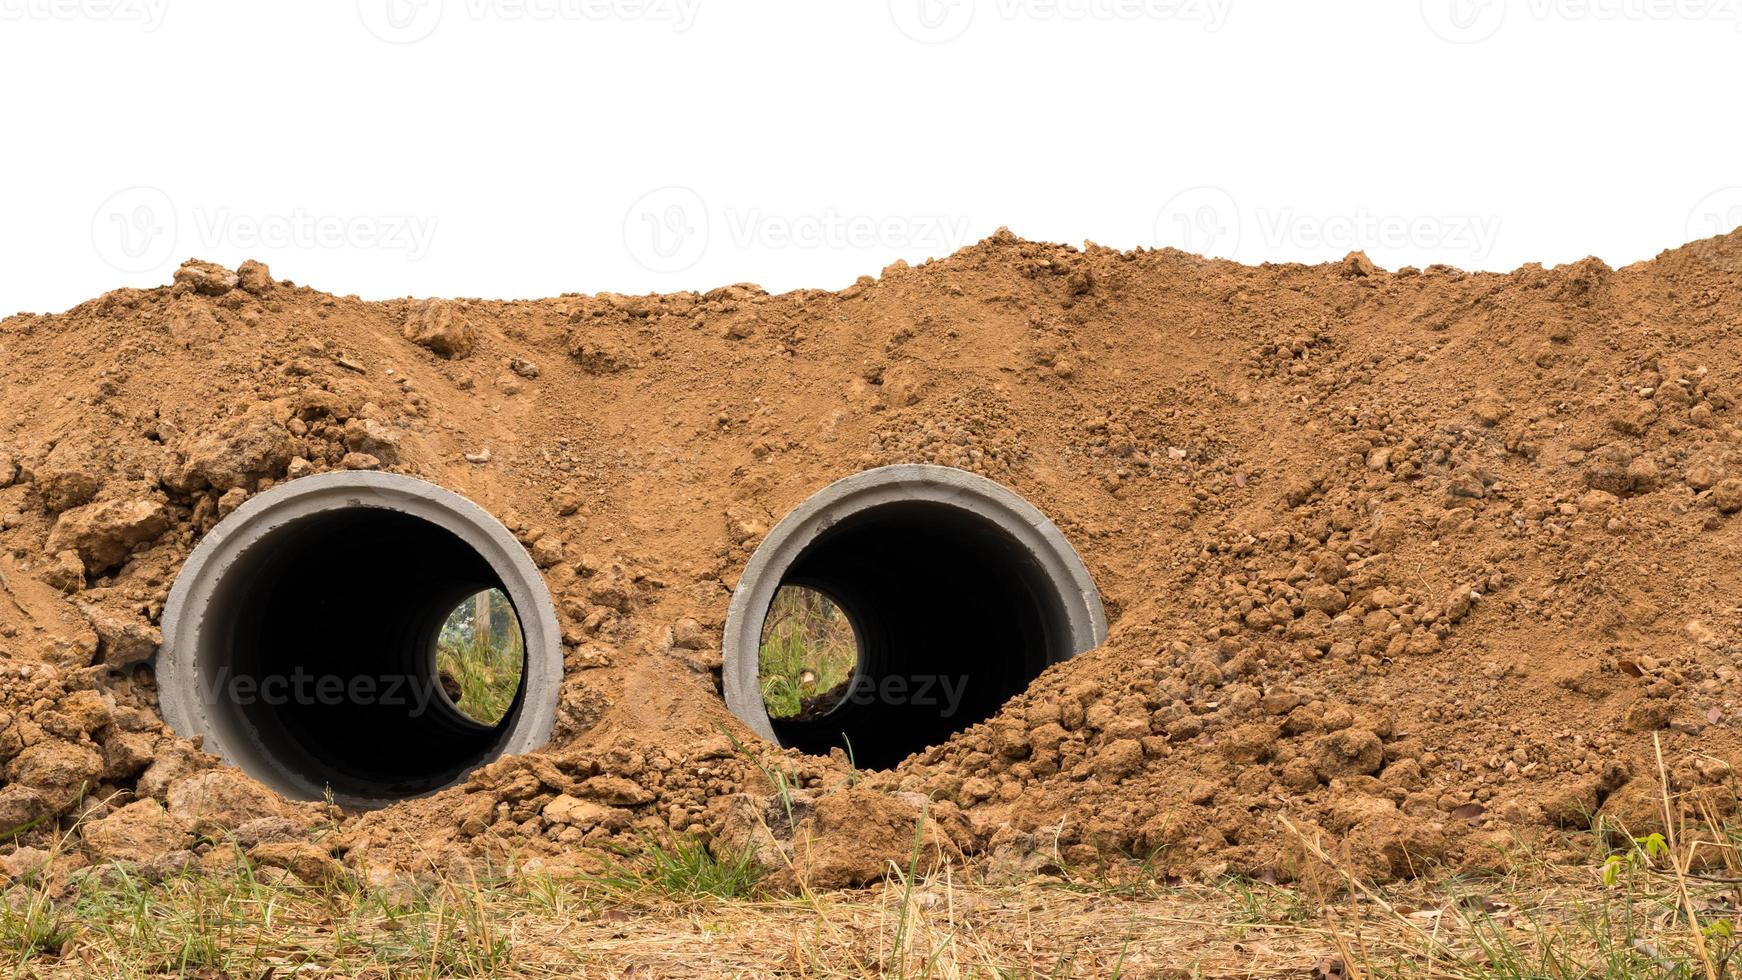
(65,571)
(360,461)
(104,534)
(25,862)
(370,436)
(298,468)
(1703,476)
(480,457)
(524,368)
(1350,752)
(69,477)
(1298,775)
(1327,599)
(572,812)
(126,754)
(244,449)
(1119,759)
(566,501)
(1356,265)
(1490,409)
(1647,714)
(268,830)
(232,499)
(136,833)
(21,806)
(173,761)
(60,771)
(1642,474)
(688,634)
(221,799)
(310,862)
(615,790)
(206,278)
(123,639)
(254,277)
(547,551)
(442,327)
(1728,496)
(1383,598)
(86,710)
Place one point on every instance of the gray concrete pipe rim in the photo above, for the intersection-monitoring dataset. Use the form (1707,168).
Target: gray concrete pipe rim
(794,533)
(181,676)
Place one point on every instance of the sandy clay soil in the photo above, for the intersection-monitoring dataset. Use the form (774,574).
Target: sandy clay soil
(1423,560)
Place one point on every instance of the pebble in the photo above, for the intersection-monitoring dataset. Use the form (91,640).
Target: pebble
(1728,496)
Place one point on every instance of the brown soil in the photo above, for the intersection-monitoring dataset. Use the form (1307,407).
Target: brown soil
(1425,559)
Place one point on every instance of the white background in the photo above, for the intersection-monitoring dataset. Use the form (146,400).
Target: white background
(518,148)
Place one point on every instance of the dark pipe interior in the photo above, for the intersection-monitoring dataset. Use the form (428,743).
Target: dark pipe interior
(350,602)
(944,603)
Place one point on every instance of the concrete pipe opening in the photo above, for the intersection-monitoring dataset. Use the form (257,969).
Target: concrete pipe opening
(958,593)
(301,639)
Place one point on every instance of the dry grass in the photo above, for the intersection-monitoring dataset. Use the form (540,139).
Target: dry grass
(1560,922)
(1661,906)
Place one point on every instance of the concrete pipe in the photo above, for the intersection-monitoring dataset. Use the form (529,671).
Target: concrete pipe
(959,593)
(300,638)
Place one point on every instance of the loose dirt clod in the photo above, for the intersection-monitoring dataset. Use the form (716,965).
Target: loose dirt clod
(1410,557)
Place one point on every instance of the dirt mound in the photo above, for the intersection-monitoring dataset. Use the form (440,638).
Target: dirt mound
(1422,558)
